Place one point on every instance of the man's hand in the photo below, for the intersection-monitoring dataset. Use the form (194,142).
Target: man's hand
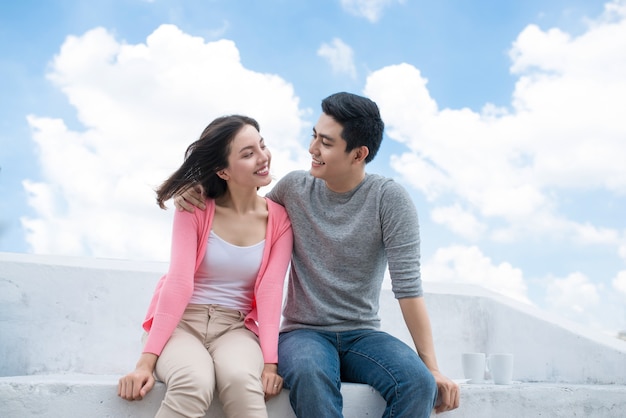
(190,199)
(272,382)
(448,393)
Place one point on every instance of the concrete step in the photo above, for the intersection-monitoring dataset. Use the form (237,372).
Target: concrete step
(532,400)
(95,396)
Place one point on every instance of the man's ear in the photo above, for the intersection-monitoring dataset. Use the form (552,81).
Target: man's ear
(361,153)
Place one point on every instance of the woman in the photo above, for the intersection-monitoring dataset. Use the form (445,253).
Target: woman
(214,317)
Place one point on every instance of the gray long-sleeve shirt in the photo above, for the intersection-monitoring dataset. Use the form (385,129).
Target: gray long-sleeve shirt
(342,243)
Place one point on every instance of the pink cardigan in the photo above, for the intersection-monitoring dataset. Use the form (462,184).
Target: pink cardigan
(173,292)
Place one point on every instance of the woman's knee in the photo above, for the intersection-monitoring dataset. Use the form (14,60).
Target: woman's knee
(189,393)
(194,381)
(238,377)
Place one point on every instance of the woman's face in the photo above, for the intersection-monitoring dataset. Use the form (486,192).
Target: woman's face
(248,160)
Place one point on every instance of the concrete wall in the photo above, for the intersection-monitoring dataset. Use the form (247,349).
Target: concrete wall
(468,318)
(83,315)
(69,327)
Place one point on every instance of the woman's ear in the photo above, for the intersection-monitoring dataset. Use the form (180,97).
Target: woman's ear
(223,175)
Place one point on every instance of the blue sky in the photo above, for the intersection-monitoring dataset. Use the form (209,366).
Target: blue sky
(504,120)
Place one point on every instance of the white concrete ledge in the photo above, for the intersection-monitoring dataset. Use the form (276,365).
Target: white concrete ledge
(63,396)
(95,396)
(69,327)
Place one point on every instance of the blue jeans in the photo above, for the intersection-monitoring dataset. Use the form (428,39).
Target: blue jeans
(314,363)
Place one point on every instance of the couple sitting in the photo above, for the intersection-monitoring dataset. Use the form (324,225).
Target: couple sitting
(213,323)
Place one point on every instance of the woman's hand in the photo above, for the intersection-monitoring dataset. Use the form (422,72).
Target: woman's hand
(272,382)
(135,385)
(190,199)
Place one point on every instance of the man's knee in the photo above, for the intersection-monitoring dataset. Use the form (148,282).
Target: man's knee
(421,388)
(297,353)
(306,370)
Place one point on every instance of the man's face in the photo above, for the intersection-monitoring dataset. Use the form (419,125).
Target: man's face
(330,161)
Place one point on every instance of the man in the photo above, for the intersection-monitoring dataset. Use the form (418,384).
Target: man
(348,225)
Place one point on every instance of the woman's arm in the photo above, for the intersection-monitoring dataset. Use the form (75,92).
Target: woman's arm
(173,297)
(269,298)
(178,284)
(269,292)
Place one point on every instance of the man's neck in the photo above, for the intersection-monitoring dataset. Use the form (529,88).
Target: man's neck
(345,184)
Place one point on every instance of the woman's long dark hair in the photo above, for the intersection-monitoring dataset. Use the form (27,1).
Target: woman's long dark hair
(204,158)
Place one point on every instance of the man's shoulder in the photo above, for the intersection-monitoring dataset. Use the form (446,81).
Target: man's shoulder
(384,184)
(377,178)
(295,175)
(289,186)
(294,178)
(391,194)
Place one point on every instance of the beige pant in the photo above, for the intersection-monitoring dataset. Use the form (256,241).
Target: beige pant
(211,349)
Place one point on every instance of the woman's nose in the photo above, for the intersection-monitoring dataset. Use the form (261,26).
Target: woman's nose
(265,155)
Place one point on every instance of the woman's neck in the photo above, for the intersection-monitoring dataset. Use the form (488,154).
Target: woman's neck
(240,201)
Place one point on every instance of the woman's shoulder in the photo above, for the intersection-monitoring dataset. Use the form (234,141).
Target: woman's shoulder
(275,208)
(197,214)
(278,214)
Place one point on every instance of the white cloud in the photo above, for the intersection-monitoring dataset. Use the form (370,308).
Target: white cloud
(141,105)
(469,265)
(588,303)
(369,9)
(340,57)
(458,220)
(622,251)
(558,228)
(564,131)
(572,295)
(220,31)
(619,282)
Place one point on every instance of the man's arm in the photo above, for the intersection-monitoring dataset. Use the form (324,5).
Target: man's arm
(190,199)
(417,321)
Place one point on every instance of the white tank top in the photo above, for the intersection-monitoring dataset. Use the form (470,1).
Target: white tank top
(227,274)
